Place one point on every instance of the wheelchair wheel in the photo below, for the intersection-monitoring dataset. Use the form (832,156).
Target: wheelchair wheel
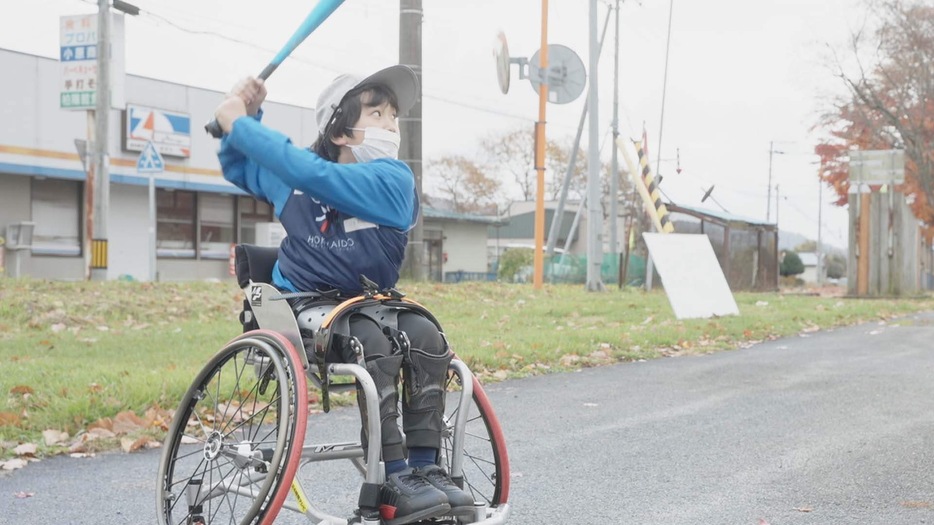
(237,435)
(485,461)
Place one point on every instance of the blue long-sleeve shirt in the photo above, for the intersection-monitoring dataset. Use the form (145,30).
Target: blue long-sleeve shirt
(342,220)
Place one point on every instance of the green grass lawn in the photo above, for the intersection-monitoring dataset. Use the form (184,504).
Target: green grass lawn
(74,355)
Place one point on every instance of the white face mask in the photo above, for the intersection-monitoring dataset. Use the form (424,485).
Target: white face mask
(378,143)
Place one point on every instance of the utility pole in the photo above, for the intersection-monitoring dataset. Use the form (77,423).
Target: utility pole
(594,215)
(99,178)
(559,211)
(614,163)
(776,209)
(820,210)
(538,258)
(768,196)
(410,126)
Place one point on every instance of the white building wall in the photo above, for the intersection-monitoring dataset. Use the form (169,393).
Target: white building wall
(461,243)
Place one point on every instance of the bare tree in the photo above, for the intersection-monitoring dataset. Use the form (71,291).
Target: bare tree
(464,183)
(512,157)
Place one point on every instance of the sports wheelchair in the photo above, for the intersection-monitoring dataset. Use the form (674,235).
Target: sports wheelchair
(236,451)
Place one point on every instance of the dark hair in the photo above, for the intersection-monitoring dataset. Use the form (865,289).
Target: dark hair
(347,114)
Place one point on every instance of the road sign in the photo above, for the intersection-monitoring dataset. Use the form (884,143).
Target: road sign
(877,167)
(150,160)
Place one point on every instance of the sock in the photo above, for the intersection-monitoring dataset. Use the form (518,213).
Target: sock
(394,466)
(422,456)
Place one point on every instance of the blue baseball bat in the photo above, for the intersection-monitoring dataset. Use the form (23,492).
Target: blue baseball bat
(322,10)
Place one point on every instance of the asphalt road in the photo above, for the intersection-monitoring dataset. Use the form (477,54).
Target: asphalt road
(834,428)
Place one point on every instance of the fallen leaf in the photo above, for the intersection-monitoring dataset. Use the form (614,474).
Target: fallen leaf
(21,390)
(54,437)
(26,449)
(13,464)
(9,419)
(104,422)
(127,422)
(132,445)
(804,509)
(23,495)
(98,433)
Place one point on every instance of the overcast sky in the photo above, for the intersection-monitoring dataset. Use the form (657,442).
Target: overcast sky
(740,74)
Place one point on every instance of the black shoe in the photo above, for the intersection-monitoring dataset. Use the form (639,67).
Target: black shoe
(407,497)
(461,503)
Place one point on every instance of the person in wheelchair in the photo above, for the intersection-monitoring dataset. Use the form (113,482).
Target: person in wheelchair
(347,204)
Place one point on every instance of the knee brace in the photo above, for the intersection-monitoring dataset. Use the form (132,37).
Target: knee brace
(425,376)
(385,373)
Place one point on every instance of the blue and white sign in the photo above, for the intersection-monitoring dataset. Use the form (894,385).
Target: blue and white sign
(169,131)
(150,161)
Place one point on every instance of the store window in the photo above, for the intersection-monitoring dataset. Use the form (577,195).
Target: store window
(216,225)
(56,210)
(252,211)
(175,223)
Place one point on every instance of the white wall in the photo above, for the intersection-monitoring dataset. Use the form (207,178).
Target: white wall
(464,242)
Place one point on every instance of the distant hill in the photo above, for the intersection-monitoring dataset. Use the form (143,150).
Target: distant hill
(788,240)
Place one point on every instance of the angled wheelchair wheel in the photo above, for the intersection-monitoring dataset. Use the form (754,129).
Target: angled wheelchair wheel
(237,435)
(485,461)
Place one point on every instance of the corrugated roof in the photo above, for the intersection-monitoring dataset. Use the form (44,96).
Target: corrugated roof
(722,215)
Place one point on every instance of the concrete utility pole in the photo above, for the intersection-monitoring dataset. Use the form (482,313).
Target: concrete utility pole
(614,162)
(410,126)
(558,216)
(100,185)
(594,214)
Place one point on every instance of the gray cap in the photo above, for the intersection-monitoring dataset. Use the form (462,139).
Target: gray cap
(400,79)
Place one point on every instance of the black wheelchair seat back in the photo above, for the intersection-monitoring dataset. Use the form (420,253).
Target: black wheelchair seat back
(254,263)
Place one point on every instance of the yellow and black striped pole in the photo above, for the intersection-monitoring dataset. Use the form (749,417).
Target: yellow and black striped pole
(654,195)
(639,182)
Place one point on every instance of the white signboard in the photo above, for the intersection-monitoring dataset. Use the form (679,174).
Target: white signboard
(691,275)
(877,167)
(78,56)
(78,41)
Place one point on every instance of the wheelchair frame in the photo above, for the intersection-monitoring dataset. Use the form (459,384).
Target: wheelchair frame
(268,474)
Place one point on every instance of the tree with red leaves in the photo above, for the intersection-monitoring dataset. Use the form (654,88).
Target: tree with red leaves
(890,102)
